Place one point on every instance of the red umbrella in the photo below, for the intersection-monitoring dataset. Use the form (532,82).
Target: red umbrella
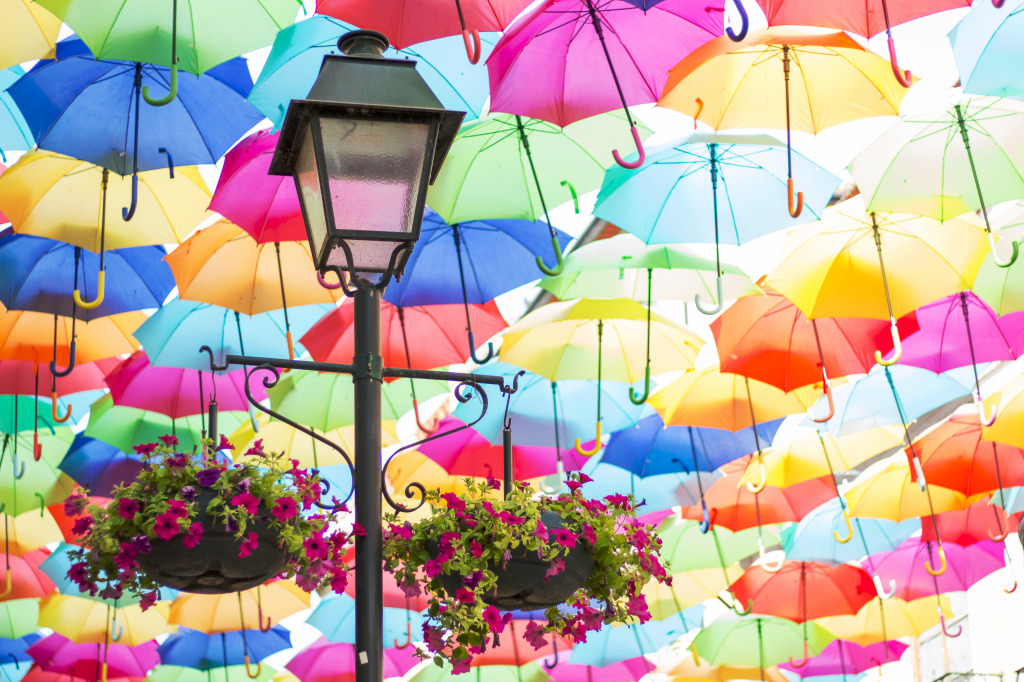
(265,206)
(324,661)
(405,23)
(980,521)
(468,453)
(835,590)
(954,456)
(58,654)
(66,523)
(22,577)
(37,674)
(19,376)
(769,339)
(516,650)
(437,333)
(177,392)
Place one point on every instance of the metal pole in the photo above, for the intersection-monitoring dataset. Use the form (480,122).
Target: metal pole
(367,379)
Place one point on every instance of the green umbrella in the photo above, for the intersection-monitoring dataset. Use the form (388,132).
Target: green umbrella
(28,484)
(326,401)
(531,672)
(23,412)
(1001,288)
(758,641)
(125,427)
(232,673)
(686,548)
(18,617)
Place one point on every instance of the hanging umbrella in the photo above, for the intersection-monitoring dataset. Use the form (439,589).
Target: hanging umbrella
(730,85)
(965,566)
(848,658)
(18,377)
(882,620)
(99,466)
(531,672)
(14,131)
(687,666)
(833,590)
(984,44)
(889,493)
(28,532)
(686,548)
(85,620)
(629,670)
(758,641)
(30,483)
(964,527)
(298,50)
(689,589)
(256,609)
(59,654)
(173,334)
(812,538)
(954,456)
(531,73)
(1000,288)
(615,644)
(335,617)
(29,32)
(716,180)
(230,673)
(199,650)
(323,662)
(926,261)
(22,577)
(937,163)
(661,492)
(18,617)
(1007,402)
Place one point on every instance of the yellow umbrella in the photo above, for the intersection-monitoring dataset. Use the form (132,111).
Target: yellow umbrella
(688,588)
(842,253)
(783,77)
(890,494)
(258,608)
(280,437)
(884,619)
(59,197)
(85,620)
(27,32)
(28,335)
(687,666)
(29,531)
(1007,428)
(224,266)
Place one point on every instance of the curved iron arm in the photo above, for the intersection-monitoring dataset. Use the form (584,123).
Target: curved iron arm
(744,25)
(325,284)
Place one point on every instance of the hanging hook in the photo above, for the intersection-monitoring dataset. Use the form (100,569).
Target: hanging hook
(896,346)
(717,307)
(408,636)
(101,280)
(804,662)
(1015,251)
(849,528)
(904,77)
(472,350)
(742,612)
(882,593)
(744,25)
(945,630)
(560,264)
(831,403)
(53,409)
(248,671)
(980,405)
(18,465)
(641,154)
(597,444)
(1003,533)
(554,650)
(758,487)
(942,563)
(796,210)
(640,399)
(325,284)
(173,89)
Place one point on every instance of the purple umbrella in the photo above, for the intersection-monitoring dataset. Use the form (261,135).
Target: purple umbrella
(847,658)
(964,566)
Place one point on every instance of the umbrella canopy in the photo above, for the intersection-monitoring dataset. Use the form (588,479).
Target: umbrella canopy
(335,616)
(99,466)
(812,538)
(889,493)
(1009,401)
(629,670)
(982,520)
(230,673)
(51,195)
(804,590)
(325,661)
(14,130)
(688,589)
(27,532)
(1001,288)
(125,427)
(845,658)
(18,377)
(983,44)
(199,650)
(280,437)
(27,335)
(89,621)
(18,617)
(884,619)
(29,32)
(864,19)
(39,482)
(531,672)
(58,654)
(687,549)
(758,640)
(965,566)
(954,456)
(216,613)
(27,580)
(613,644)
(687,667)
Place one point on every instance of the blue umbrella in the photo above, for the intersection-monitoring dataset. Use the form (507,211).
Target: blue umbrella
(610,645)
(194,649)
(812,539)
(86,108)
(15,648)
(14,130)
(987,49)
(42,274)
(651,448)
(534,405)
(335,616)
(173,334)
(298,50)
(99,466)
(717,182)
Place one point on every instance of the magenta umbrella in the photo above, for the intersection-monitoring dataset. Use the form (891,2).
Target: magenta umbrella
(629,670)
(265,206)
(177,392)
(848,658)
(59,654)
(323,661)
(961,330)
(964,566)
(468,453)
(567,60)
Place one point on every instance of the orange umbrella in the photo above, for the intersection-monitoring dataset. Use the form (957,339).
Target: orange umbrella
(27,335)
(954,456)
(260,607)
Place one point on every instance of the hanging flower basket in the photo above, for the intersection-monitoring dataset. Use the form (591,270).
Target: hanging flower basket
(584,562)
(193,522)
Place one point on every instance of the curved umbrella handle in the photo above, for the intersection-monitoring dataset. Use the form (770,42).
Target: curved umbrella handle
(921,482)
(831,411)
(773,569)
(17,663)
(325,284)
(742,612)
(170,160)
(641,154)
(980,405)
(796,210)
(640,399)
(472,350)
(259,620)
(882,593)
(945,630)
(8,587)
(756,488)
(700,108)
(693,650)
(1015,251)
(744,25)
(904,77)
(419,424)
(597,444)
(18,466)
(128,213)
(53,410)
(709,519)
(42,505)
(37,447)
(248,671)
(575,199)
(715,309)
(942,563)
(103,672)
(1003,532)
(118,632)
(800,664)
(101,287)
(291,344)
(560,264)
(849,529)
(472,41)
(554,650)
(896,346)
(172,92)
(548,489)
(408,636)
(64,372)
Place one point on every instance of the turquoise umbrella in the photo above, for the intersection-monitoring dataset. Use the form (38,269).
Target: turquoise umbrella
(610,645)
(15,134)
(335,616)
(812,540)
(298,50)
(988,49)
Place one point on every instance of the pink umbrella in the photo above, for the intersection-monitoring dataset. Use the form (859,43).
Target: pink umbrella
(847,658)
(547,65)
(265,206)
(965,566)
(58,654)
(629,670)
(467,453)
(37,674)
(177,392)
(324,661)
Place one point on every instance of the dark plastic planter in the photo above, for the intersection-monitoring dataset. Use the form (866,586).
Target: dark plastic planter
(213,566)
(521,584)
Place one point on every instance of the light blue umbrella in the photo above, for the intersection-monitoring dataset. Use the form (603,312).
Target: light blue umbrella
(812,539)
(610,645)
(988,49)
(173,334)
(299,49)
(335,616)
(15,134)
(659,492)
(532,408)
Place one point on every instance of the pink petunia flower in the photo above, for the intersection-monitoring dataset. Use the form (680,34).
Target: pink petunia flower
(127,508)
(534,635)
(168,440)
(166,526)
(193,535)
(247,500)
(495,621)
(177,508)
(316,547)
(284,508)
(565,537)
(246,548)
